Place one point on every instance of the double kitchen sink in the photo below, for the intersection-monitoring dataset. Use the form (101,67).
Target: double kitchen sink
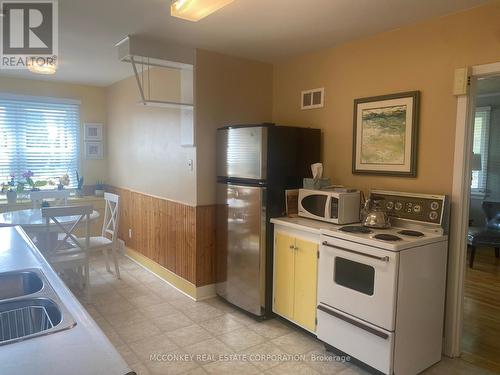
(29,307)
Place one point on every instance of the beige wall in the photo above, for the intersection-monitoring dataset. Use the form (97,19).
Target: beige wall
(228,90)
(92,109)
(419,57)
(144,152)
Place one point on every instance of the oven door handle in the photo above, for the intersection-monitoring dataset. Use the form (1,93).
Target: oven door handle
(383,259)
(355,323)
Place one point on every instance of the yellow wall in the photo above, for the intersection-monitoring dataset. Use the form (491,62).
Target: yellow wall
(419,57)
(228,90)
(92,109)
(145,154)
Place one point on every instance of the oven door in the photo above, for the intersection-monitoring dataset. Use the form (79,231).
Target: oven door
(359,280)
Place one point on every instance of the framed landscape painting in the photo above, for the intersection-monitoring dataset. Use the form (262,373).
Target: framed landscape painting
(385,134)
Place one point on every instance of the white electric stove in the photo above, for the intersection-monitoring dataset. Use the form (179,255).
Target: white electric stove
(381,291)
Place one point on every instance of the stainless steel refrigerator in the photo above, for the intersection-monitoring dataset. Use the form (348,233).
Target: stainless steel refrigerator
(255,165)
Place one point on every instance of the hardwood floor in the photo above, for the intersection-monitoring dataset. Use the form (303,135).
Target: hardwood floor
(481,335)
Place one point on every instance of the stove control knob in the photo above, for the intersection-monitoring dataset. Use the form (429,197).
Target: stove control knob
(434,206)
(398,206)
(389,205)
(417,208)
(433,215)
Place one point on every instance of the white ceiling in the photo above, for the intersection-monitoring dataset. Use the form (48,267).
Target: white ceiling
(266,30)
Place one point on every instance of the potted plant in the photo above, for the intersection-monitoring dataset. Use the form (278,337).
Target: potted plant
(63,181)
(34,185)
(10,190)
(79,189)
(99,189)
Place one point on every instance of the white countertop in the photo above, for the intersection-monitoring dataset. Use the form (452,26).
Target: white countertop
(81,350)
(308,225)
(327,229)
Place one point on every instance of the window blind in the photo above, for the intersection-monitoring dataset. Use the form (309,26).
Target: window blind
(40,136)
(480,146)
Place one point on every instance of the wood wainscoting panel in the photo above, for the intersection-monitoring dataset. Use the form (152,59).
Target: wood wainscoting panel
(177,236)
(205,245)
(183,230)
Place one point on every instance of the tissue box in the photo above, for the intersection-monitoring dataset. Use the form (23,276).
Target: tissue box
(312,184)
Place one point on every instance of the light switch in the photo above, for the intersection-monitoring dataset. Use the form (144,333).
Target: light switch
(190,164)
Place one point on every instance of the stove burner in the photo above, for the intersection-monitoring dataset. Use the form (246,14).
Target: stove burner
(355,229)
(387,237)
(411,233)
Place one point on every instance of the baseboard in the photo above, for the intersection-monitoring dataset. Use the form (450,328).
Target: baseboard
(177,282)
(205,292)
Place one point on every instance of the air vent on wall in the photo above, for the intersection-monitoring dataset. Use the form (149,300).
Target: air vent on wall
(311,99)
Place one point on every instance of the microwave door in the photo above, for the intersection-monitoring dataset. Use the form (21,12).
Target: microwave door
(315,205)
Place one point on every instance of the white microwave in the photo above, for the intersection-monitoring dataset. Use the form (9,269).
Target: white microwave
(330,206)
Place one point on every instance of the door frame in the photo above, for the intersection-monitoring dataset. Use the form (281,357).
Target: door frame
(460,199)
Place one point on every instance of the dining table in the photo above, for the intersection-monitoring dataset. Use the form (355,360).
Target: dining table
(35,225)
(31,220)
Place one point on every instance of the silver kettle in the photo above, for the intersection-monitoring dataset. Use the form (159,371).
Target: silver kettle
(375,216)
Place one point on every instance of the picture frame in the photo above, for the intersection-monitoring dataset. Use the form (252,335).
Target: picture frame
(93,150)
(385,134)
(92,131)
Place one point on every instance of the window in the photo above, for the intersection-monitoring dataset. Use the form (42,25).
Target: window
(480,147)
(39,135)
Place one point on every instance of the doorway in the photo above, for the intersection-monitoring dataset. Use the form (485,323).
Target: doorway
(481,303)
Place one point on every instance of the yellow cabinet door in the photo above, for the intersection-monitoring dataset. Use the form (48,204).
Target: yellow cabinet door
(283,274)
(306,269)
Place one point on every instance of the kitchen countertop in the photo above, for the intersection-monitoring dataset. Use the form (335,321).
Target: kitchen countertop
(83,349)
(300,223)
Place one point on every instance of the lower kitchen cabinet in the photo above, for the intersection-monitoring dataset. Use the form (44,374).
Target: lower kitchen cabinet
(295,279)
(284,262)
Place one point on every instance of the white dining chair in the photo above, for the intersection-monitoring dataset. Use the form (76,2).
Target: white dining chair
(108,240)
(60,197)
(70,252)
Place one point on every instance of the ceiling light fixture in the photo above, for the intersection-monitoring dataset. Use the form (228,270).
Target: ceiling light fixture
(40,67)
(195,10)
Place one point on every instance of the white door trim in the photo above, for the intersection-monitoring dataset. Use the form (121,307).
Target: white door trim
(460,212)
(486,69)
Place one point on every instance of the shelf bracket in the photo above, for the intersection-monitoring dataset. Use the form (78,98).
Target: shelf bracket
(136,73)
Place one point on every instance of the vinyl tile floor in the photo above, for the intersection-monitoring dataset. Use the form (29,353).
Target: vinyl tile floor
(159,330)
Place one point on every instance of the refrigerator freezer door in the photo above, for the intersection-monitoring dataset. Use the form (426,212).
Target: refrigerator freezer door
(244,283)
(242,153)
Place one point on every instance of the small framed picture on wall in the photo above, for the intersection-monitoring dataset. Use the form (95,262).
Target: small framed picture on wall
(93,150)
(93,131)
